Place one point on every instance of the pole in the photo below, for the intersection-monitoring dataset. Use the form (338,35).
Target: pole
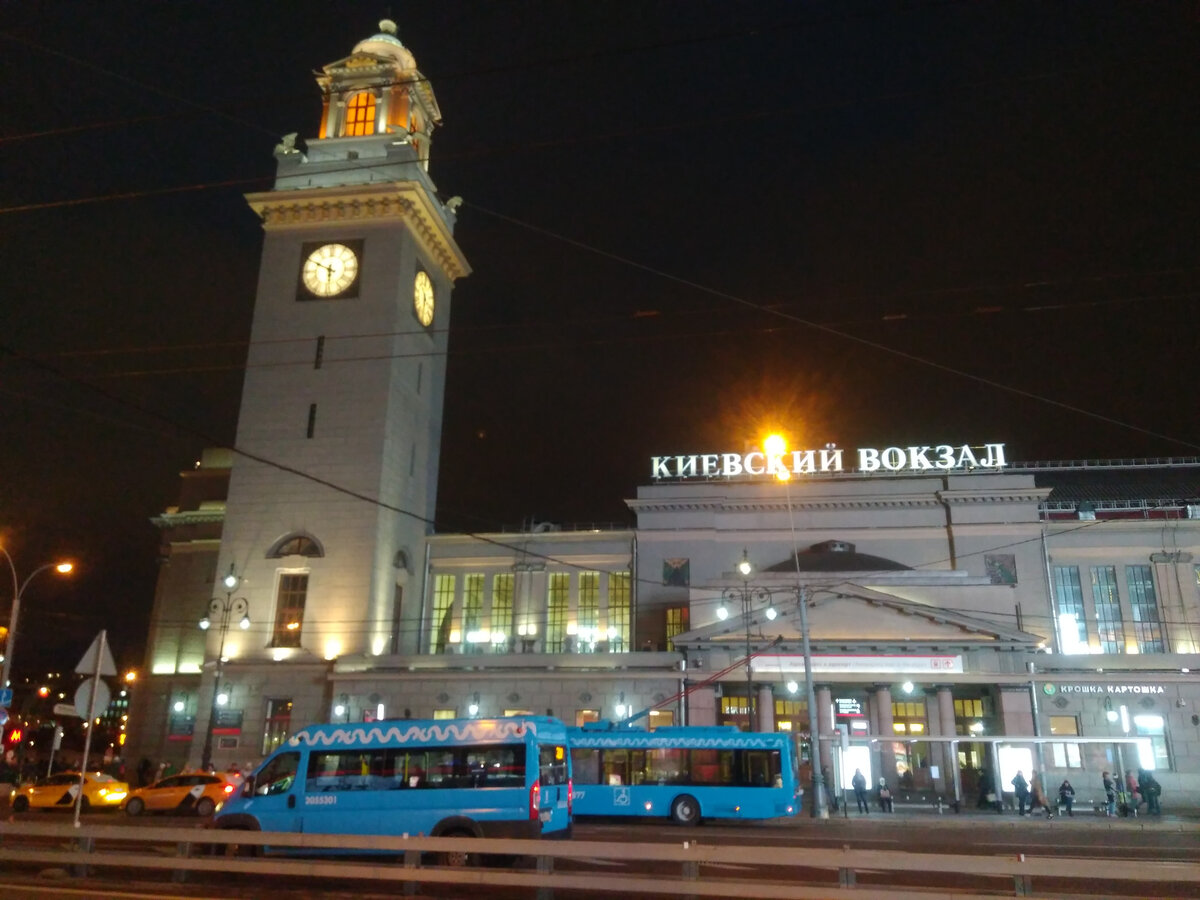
(749,674)
(87,740)
(206,753)
(12,622)
(820,808)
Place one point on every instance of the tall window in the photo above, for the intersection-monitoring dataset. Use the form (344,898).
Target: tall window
(289,610)
(1069,615)
(473,636)
(618,612)
(502,611)
(677,623)
(1108,609)
(1147,627)
(439,624)
(589,611)
(556,611)
(278,724)
(360,114)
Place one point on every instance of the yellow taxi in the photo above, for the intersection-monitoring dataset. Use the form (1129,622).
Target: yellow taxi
(58,791)
(190,792)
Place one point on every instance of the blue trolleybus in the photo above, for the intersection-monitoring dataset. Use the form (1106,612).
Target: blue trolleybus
(506,777)
(686,773)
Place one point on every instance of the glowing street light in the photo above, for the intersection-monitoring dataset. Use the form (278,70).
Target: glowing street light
(224,609)
(775,446)
(62,568)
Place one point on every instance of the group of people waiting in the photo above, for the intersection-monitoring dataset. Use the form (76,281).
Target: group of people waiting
(1142,788)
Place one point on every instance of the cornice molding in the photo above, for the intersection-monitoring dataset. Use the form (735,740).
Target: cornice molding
(393,201)
(190,517)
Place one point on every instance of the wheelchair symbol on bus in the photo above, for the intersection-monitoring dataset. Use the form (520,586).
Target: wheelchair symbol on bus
(621,796)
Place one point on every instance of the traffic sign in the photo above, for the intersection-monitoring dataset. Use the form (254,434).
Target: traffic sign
(65,709)
(83,698)
(5,696)
(3,716)
(87,665)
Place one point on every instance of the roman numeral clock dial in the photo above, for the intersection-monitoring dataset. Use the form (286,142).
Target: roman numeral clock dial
(330,270)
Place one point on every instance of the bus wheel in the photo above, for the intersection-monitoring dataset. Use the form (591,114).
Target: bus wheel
(457,859)
(685,810)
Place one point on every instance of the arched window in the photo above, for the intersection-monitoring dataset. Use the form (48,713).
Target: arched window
(360,114)
(296,545)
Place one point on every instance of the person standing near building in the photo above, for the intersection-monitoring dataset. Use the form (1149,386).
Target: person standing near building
(859,783)
(1021,787)
(1039,795)
(1066,796)
(1149,788)
(1110,794)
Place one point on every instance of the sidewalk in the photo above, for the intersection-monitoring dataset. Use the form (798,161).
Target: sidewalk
(927,814)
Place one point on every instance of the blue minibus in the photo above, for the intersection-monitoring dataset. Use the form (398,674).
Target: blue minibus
(685,773)
(503,777)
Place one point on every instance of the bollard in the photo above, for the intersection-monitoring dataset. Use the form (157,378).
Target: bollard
(183,850)
(545,865)
(412,860)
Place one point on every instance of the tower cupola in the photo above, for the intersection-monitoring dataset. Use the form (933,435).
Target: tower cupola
(378,92)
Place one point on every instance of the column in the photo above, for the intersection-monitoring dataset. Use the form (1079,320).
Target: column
(933,727)
(824,721)
(766,709)
(887,735)
(945,702)
(702,706)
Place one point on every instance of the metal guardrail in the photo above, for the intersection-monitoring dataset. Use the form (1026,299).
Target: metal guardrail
(186,850)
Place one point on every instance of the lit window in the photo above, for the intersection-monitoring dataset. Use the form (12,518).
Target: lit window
(589,611)
(1147,627)
(1069,615)
(442,618)
(1109,623)
(1152,752)
(556,611)
(677,619)
(296,545)
(360,115)
(618,612)
(289,610)
(502,612)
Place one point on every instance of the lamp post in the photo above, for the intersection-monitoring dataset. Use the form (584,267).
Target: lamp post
(775,446)
(221,610)
(62,568)
(748,596)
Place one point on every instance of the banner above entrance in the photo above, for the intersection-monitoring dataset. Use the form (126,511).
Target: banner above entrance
(927,458)
(883,665)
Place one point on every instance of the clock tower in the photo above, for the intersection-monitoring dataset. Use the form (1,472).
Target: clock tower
(334,478)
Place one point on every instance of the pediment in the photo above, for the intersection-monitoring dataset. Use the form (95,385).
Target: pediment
(852,615)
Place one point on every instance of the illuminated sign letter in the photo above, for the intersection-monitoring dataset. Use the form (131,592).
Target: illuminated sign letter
(685,466)
(752,462)
(945,454)
(894,459)
(917,459)
(660,467)
(803,461)
(733,465)
(966,457)
(708,463)
(831,460)
(868,459)
(995,455)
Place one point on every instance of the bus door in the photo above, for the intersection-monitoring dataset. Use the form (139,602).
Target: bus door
(276,802)
(554,808)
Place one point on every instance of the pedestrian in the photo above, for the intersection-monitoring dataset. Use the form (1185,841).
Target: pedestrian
(859,783)
(1133,798)
(1066,797)
(1110,794)
(1149,788)
(145,772)
(1021,786)
(1039,795)
(987,795)
(885,796)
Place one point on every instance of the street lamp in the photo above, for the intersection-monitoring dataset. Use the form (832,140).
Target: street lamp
(62,568)
(748,596)
(222,610)
(775,446)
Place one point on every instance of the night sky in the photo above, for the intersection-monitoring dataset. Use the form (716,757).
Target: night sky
(873,224)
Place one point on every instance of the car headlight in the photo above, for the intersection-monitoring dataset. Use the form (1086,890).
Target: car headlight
(115,797)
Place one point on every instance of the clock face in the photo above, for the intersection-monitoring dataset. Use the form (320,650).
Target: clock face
(423,301)
(330,269)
